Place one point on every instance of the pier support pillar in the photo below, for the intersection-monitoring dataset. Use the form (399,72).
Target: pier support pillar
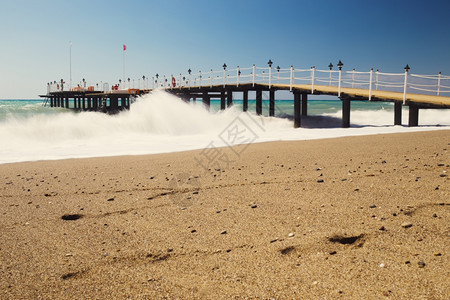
(259,102)
(222,100)
(84,103)
(245,100)
(95,103)
(271,103)
(345,112)
(304,104)
(114,103)
(79,102)
(89,103)
(194,99)
(229,98)
(297,111)
(397,113)
(206,100)
(413,115)
(67,101)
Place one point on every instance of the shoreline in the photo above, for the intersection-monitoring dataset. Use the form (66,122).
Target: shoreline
(349,217)
(416,129)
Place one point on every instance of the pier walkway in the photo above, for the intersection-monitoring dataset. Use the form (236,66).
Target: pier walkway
(404,89)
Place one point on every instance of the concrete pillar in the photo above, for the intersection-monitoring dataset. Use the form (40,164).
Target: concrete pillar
(67,102)
(79,102)
(259,102)
(297,111)
(413,115)
(271,103)
(397,113)
(229,98)
(222,100)
(245,100)
(95,103)
(345,112)
(304,104)
(84,103)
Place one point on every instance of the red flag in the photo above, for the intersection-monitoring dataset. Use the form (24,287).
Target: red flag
(124,47)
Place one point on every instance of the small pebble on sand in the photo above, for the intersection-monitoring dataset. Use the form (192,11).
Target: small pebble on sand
(407,224)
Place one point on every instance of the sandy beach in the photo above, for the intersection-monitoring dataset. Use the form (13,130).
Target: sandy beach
(347,218)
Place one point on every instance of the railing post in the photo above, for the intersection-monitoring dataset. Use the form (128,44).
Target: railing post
(210,78)
(339,87)
(200,78)
(224,77)
(270,76)
(237,76)
(376,85)
(253,73)
(153,83)
(330,76)
(181,81)
(292,77)
(406,84)
(353,79)
(370,84)
(439,84)
(313,72)
(189,79)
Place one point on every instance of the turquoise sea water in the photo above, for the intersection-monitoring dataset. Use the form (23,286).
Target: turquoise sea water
(161,123)
(25,108)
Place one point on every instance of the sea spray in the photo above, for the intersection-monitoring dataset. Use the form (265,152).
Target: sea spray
(160,122)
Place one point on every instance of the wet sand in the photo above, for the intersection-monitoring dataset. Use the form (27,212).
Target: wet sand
(356,217)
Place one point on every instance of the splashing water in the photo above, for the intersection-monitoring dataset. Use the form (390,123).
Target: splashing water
(160,123)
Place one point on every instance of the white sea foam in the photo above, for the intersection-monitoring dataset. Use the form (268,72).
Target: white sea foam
(160,122)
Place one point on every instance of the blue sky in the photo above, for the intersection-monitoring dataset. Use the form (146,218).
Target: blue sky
(168,37)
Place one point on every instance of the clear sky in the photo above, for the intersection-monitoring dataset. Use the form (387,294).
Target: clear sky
(171,36)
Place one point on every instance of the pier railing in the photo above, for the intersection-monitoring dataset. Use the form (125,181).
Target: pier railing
(371,80)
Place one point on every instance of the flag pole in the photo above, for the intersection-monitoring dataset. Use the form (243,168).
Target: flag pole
(70,60)
(123,52)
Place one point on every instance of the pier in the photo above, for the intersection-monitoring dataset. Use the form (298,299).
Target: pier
(403,89)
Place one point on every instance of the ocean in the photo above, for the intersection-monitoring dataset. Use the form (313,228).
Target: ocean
(162,123)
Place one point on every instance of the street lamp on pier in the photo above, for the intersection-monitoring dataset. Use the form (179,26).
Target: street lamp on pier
(224,71)
(331,67)
(270,72)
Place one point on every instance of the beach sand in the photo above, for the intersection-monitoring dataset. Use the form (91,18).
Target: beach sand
(355,217)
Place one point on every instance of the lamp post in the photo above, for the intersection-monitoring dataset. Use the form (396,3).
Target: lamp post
(129,82)
(189,72)
(143,82)
(313,77)
(407,68)
(331,67)
(238,75)
(340,64)
(278,74)
(224,70)
(120,83)
(270,72)
(200,78)
(70,58)
(156,81)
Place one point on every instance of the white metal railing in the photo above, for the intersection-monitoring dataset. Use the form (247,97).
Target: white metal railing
(372,80)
